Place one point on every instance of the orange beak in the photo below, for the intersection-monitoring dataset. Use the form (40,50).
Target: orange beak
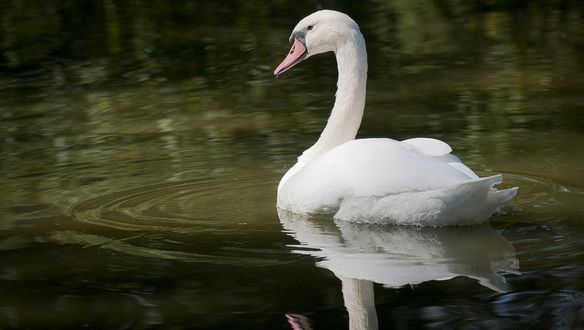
(296,55)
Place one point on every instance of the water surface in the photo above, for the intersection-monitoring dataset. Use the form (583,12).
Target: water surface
(142,145)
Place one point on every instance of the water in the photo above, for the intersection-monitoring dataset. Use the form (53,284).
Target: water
(142,145)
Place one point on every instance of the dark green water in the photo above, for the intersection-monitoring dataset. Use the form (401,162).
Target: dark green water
(142,144)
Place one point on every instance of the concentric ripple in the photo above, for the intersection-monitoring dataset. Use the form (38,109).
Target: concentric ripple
(208,220)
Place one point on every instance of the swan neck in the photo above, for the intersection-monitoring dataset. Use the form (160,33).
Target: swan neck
(347,112)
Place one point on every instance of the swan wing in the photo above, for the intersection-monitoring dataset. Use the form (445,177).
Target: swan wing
(365,167)
(430,147)
(441,151)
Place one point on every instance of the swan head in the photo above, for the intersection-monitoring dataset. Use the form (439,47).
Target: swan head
(319,32)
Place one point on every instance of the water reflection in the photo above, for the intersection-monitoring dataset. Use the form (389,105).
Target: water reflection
(138,140)
(360,255)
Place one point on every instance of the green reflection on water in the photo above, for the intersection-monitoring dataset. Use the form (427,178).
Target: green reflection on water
(137,136)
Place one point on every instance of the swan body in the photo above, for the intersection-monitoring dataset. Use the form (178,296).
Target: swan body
(416,181)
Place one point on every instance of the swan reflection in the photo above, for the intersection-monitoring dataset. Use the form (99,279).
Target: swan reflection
(360,255)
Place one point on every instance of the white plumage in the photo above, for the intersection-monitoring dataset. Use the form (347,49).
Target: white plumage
(416,181)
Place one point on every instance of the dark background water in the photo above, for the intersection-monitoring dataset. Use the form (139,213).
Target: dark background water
(142,143)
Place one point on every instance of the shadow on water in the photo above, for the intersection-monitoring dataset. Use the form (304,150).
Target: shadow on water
(142,144)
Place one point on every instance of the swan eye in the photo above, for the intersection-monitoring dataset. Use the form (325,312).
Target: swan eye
(309,27)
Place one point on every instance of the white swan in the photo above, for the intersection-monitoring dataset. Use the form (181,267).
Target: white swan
(416,181)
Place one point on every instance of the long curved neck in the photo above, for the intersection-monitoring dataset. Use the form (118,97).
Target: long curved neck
(346,115)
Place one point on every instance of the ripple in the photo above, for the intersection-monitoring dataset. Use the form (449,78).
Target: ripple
(562,309)
(177,207)
(539,192)
(215,219)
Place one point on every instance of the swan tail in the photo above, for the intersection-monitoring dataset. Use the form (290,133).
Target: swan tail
(477,199)
(467,203)
(484,187)
(505,196)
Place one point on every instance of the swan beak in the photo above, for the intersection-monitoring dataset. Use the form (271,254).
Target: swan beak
(296,55)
